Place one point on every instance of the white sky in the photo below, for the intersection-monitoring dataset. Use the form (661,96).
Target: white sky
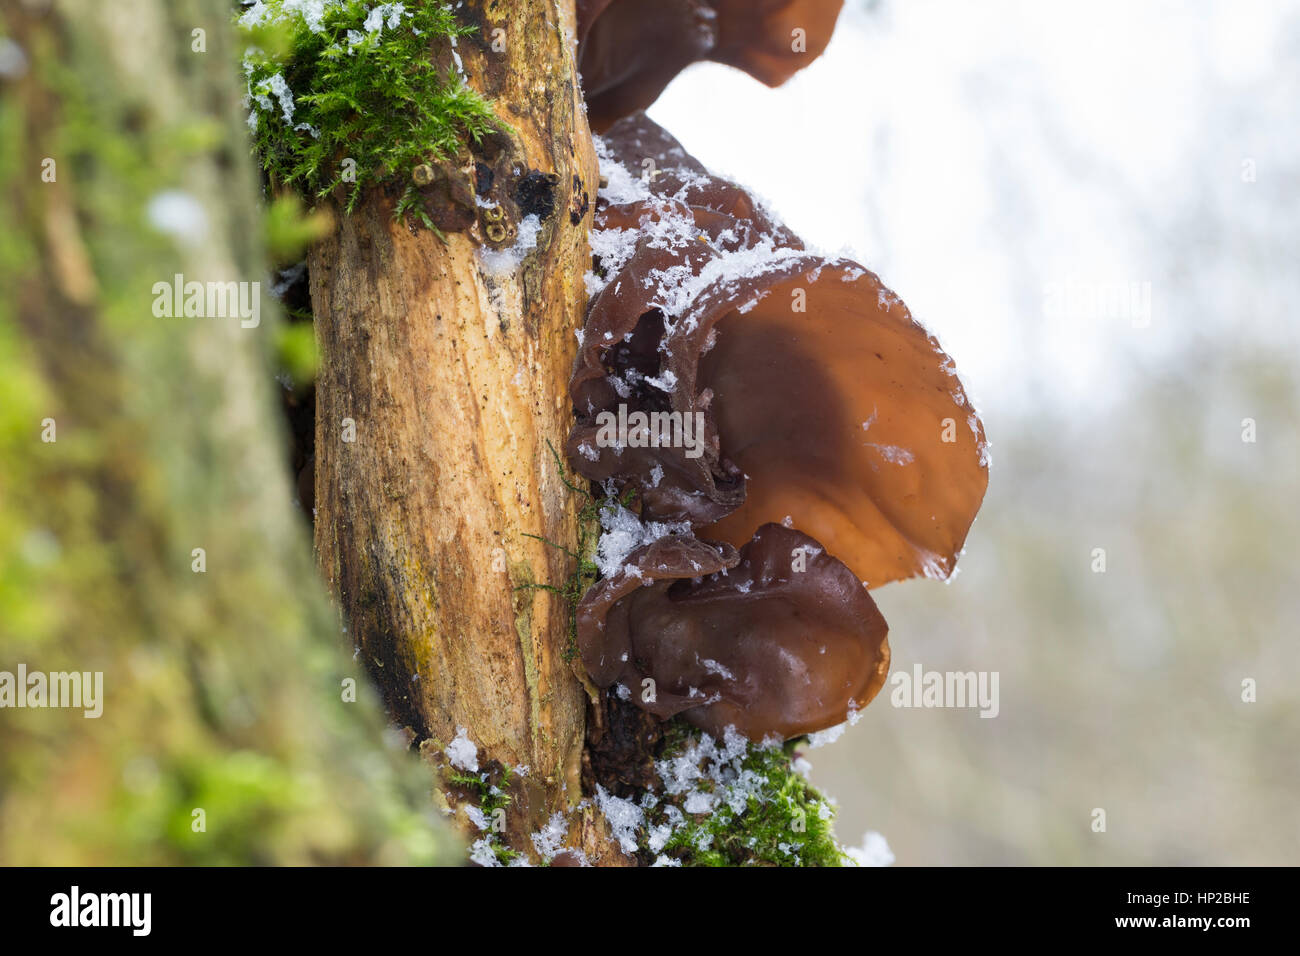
(979,155)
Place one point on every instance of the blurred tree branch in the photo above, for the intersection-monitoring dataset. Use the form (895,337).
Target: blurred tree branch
(124,164)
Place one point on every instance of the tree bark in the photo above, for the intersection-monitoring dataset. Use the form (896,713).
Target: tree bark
(222,683)
(442,389)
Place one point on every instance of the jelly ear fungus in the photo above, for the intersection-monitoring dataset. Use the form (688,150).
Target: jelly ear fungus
(630,50)
(830,447)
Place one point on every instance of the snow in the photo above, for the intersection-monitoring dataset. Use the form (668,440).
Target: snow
(549,840)
(455,58)
(624,532)
(699,802)
(390,13)
(178,214)
(311,12)
(623,816)
(831,734)
(679,289)
(279,88)
(621,185)
(893,454)
(659,836)
(501,263)
(613,247)
(668,223)
(713,667)
(461,751)
(481,853)
(706,776)
(874,851)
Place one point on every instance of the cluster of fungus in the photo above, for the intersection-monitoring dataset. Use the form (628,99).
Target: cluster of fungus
(786,437)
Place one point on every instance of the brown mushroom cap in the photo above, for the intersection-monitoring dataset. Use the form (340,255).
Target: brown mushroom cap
(847,421)
(823,402)
(780,638)
(758,36)
(630,50)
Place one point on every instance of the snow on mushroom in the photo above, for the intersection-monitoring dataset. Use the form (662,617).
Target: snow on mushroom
(782,404)
(630,50)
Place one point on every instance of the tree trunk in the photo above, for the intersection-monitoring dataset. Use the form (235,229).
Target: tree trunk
(442,389)
(226,735)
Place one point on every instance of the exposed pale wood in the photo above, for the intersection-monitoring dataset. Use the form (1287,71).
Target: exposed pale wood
(455,377)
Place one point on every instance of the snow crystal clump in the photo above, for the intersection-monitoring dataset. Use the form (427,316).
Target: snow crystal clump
(660,835)
(698,801)
(613,247)
(678,289)
(621,186)
(461,751)
(549,840)
(624,532)
(390,13)
(713,667)
(623,816)
(821,738)
(873,852)
(720,768)
(279,88)
(311,12)
(481,853)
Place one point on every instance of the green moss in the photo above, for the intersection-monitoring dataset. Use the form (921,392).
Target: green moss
(489,797)
(585,571)
(295,350)
(377,98)
(289,228)
(786,822)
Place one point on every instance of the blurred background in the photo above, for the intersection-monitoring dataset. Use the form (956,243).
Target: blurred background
(1094,207)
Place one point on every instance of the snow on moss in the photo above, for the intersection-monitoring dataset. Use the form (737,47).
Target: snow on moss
(624,817)
(729,802)
(325,109)
(483,853)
